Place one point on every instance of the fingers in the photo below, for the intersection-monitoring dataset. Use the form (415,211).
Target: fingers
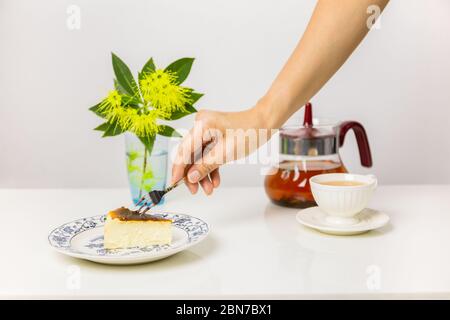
(193,187)
(210,182)
(200,174)
(215,178)
(180,162)
(191,144)
(212,158)
(184,157)
(197,172)
(207,185)
(198,158)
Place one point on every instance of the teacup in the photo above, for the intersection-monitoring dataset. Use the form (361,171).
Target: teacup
(342,195)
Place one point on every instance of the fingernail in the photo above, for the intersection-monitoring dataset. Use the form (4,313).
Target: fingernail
(194,176)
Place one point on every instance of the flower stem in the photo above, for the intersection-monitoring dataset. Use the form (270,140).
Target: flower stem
(144,168)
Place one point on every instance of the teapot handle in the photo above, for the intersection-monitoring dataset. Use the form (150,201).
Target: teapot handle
(361,139)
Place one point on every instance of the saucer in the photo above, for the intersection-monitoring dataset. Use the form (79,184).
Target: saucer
(83,239)
(367,220)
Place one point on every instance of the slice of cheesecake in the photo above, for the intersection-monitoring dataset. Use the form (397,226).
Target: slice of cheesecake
(125,229)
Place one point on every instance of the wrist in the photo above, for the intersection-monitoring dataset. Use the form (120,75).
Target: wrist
(271,111)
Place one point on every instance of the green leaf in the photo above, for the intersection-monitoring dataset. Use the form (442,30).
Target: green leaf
(131,101)
(94,109)
(132,168)
(133,155)
(147,175)
(190,108)
(119,88)
(180,114)
(124,77)
(127,100)
(181,68)
(149,67)
(103,127)
(114,129)
(148,142)
(195,96)
(148,186)
(168,131)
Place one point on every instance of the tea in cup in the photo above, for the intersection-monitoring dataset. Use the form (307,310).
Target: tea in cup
(342,195)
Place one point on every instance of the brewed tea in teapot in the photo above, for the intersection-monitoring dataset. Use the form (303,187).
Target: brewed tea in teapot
(308,150)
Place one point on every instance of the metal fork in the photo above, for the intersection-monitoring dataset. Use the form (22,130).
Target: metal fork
(152,198)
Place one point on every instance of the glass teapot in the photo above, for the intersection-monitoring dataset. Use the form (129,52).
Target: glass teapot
(307,150)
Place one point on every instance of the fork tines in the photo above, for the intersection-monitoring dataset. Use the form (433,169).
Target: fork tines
(152,198)
(144,204)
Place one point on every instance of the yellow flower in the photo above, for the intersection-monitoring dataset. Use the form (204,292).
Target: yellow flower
(123,116)
(112,101)
(144,125)
(160,89)
(130,119)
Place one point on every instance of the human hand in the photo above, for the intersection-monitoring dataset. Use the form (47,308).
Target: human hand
(216,138)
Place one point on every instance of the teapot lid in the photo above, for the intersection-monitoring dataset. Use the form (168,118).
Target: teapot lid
(308,140)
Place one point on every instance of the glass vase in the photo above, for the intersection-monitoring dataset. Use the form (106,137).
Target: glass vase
(146,171)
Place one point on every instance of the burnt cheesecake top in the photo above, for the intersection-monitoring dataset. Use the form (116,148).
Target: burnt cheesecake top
(125,214)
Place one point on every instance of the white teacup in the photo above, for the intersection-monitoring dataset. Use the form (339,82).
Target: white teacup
(342,202)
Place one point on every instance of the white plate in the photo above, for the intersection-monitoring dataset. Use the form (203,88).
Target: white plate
(368,219)
(83,238)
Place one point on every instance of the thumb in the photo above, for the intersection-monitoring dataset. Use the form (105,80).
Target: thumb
(198,171)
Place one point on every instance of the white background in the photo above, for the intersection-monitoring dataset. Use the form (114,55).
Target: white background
(397,83)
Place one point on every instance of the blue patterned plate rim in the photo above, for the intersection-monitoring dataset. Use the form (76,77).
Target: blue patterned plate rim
(60,238)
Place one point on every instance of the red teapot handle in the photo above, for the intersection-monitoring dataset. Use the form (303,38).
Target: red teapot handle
(361,139)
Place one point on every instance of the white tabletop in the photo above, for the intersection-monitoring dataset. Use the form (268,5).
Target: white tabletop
(255,249)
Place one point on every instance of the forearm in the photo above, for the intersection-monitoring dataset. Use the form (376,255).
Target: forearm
(334,31)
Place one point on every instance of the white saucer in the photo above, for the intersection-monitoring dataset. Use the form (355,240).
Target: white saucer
(368,219)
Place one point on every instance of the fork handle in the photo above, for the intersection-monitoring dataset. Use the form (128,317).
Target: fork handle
(173,186)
